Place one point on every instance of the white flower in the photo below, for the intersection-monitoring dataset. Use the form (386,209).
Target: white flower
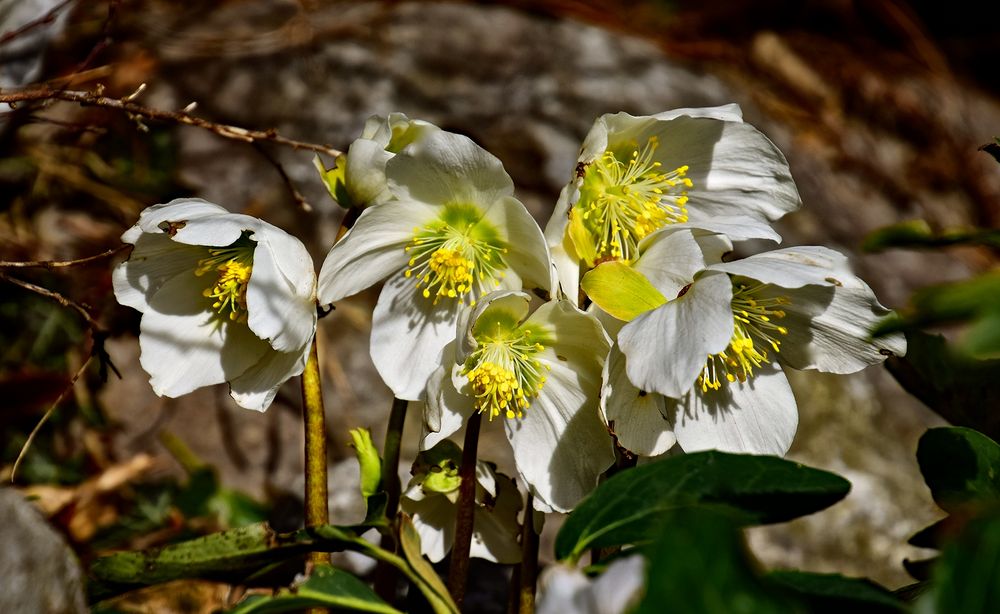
(715,351)
(542,375)
(431,500)
(566,590)
(451,232)
(224,298)
(358,178)
(636,175)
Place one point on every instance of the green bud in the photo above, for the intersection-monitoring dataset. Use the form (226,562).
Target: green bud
(371,463)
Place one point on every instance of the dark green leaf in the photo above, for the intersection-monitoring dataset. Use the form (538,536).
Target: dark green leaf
(764,489)
(967,575)
(964,392)
(834,593)
(327,586)
(918,234)
(425,577)
(699,560)
(919,569)
(961,466)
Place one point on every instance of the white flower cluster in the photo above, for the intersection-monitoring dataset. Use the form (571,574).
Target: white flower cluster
(626,321)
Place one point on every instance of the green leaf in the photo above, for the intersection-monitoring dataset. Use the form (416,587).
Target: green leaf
(961,466)
(228,556)
(327,586)
(699,560)
(963,391)
(965,578)
(425,577)
(620,290)
(918,234)
(763,489)
(834,593)
(334,179)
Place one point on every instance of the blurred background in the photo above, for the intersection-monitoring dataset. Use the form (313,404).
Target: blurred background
(880,107)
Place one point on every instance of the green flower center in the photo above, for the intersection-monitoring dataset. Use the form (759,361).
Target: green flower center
(504,371)
(457,255)
(754,334)
(232,267)
(622,202)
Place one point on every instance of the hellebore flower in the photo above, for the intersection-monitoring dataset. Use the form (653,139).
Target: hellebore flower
(541,374)
(564,589)
(636,175)
(224,298)
(431,499)
(358,177)
(716,351)
(451,232)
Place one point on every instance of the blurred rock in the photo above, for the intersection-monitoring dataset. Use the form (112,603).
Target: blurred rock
(39,574)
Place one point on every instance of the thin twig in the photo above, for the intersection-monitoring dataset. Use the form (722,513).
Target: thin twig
(528,570)
(176,117)
(46,416)
(300,200)
(458,570)
(59,298)
(47,18)
(57,264)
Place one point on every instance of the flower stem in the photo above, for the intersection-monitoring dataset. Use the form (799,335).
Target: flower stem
(458,571)
(314,417)
(522,587)
(386,575)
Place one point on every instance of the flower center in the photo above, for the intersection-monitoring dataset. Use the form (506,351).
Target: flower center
(503,371)
(754,334)
(456,255)
(622,202)
(233,266)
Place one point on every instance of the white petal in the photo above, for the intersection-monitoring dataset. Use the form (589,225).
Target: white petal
(727,112)
(259,384)
(445,168)
(177,211)
(792,267)
(364,175)
(183,346)
(564,260)
(495,530)
(578,340)
(638,419)
(673,257)
(736,227)
(280,295)
(564,590)
(372,250)
(154,260)
(527,252)
(218,230)
(434,520)
(619,588)
(668,346)
(829,328)
(561,446)
(447,409)
(409,333)
(758,416)
(512,302)
(735,169)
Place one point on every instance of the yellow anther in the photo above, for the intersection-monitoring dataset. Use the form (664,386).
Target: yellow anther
(232,267)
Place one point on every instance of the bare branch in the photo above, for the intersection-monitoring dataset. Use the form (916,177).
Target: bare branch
(59,298)
(175,117)
(58,264)
(47,18)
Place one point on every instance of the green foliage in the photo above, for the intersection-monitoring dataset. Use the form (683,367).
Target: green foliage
(334,180)
(962,390)
(426,578)
(961,467)
(699,560)
(967,575)
(834,593)
(760,489)
(918,234)
(326,587)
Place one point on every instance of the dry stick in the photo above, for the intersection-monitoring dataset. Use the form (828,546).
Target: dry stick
(297,196)
(176,117)
(314,417)
(45,417)
(59,298)
(458,570)
(58,264)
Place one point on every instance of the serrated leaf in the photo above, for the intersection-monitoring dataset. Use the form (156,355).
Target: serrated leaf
(834,593)
(621,291)
(762,489)
(960,466)
(699,562)
(326,587)
(227,556)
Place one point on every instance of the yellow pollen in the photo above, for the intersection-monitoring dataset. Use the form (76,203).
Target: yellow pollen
(623,202)
(229,291)
(753,335)
(497,390)
(504,372)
